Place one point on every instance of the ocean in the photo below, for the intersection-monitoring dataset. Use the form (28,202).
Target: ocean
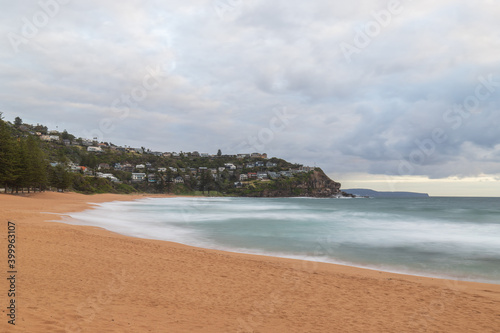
(457,238)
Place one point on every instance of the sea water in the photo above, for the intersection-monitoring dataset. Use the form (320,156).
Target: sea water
(455,238)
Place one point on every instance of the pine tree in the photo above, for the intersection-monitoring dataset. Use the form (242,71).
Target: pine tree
(18,122)
(60,177)
(21,166)
(7,156)
(36,164)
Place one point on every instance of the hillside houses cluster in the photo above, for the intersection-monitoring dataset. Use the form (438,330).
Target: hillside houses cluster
(244,172)
(94,146)
(244,168)
(259,170)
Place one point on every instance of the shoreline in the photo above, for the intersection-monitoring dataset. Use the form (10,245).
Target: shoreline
(98,274)
(408,272)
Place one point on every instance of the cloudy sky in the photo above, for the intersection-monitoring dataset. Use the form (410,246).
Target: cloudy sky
(389,95)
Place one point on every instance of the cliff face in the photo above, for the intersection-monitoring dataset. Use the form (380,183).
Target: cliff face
(314,184)
(320,185)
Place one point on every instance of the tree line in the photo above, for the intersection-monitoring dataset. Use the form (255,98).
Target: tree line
(24,165)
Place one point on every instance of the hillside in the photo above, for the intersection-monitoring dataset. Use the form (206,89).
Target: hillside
(311,184)
(37,158)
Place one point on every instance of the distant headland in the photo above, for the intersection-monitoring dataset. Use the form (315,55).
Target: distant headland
(362,192)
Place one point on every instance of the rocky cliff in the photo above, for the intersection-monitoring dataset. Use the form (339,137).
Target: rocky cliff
(312,184)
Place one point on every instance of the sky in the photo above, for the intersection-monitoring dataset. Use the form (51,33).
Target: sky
(388,95)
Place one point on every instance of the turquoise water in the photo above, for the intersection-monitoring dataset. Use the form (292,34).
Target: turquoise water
(440,237)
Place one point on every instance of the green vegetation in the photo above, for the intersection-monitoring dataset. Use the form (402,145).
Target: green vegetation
(32,158)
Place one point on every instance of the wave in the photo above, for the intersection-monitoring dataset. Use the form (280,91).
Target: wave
(376,234)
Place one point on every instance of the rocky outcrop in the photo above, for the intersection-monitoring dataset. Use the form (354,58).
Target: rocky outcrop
(313,184)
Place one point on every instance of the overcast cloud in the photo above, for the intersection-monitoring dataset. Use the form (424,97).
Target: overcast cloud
(369,87)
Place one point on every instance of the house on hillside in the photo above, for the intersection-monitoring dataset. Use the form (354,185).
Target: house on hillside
(103,166)
(271,165)
(178,180)
(87,142)
(243,177)
(261,175)
(273,175)
(152,178)
(140,166)
(94,149)
(108,176)
(307,168)
(128,167)
(138,177)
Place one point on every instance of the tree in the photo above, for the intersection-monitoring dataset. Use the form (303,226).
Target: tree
(21,161)
(66,136)
(219,153)
(60,177)
(37,164)
(7,155)
(18,122)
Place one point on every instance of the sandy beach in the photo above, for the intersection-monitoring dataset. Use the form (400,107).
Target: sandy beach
(85,279)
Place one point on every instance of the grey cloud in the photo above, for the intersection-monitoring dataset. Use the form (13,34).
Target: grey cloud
(225,75)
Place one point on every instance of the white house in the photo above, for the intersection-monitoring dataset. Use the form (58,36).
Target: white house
(243,177)
(140,166)
(94,149)
(162,169)
(138,177)
(178,180)
(109,176)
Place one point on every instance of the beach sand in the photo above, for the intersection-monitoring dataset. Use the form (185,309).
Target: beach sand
(85,279)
